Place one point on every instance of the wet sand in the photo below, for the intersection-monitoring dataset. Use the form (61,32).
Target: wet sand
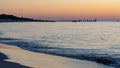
(19,57)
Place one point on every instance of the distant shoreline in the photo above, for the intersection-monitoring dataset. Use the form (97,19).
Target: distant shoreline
(12,18)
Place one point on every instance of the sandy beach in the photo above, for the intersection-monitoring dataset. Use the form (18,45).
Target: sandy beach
(40,60)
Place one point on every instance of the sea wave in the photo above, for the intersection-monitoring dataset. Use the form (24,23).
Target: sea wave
(96,55)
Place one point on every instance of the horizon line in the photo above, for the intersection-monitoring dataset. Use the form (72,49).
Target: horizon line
(65,19)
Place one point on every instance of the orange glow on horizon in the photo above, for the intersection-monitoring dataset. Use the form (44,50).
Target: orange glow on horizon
(60,9)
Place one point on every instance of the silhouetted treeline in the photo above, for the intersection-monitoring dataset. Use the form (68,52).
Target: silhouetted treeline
(11,18)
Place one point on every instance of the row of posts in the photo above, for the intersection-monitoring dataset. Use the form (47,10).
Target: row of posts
(87,20)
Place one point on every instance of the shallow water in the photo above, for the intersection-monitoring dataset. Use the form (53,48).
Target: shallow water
(97,41)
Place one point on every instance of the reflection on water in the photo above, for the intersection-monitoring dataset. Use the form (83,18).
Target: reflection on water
(69,35)
(102,37)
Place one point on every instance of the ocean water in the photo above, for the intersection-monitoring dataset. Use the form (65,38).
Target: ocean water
(94,41)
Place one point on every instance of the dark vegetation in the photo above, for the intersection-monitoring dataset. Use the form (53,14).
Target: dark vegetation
(12,18)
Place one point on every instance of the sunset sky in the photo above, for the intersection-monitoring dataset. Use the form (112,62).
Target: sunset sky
(63,9)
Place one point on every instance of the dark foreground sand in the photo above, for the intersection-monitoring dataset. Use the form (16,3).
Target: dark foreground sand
(6,64)
(15,57)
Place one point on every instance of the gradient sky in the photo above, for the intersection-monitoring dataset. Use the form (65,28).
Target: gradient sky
(63,9)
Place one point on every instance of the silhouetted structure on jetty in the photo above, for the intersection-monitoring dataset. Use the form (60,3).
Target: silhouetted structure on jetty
(87,20)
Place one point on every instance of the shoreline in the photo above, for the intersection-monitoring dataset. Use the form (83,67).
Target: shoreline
(7,64)
(40,60)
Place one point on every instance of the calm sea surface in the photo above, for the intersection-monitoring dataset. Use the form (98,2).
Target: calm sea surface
(98,41)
